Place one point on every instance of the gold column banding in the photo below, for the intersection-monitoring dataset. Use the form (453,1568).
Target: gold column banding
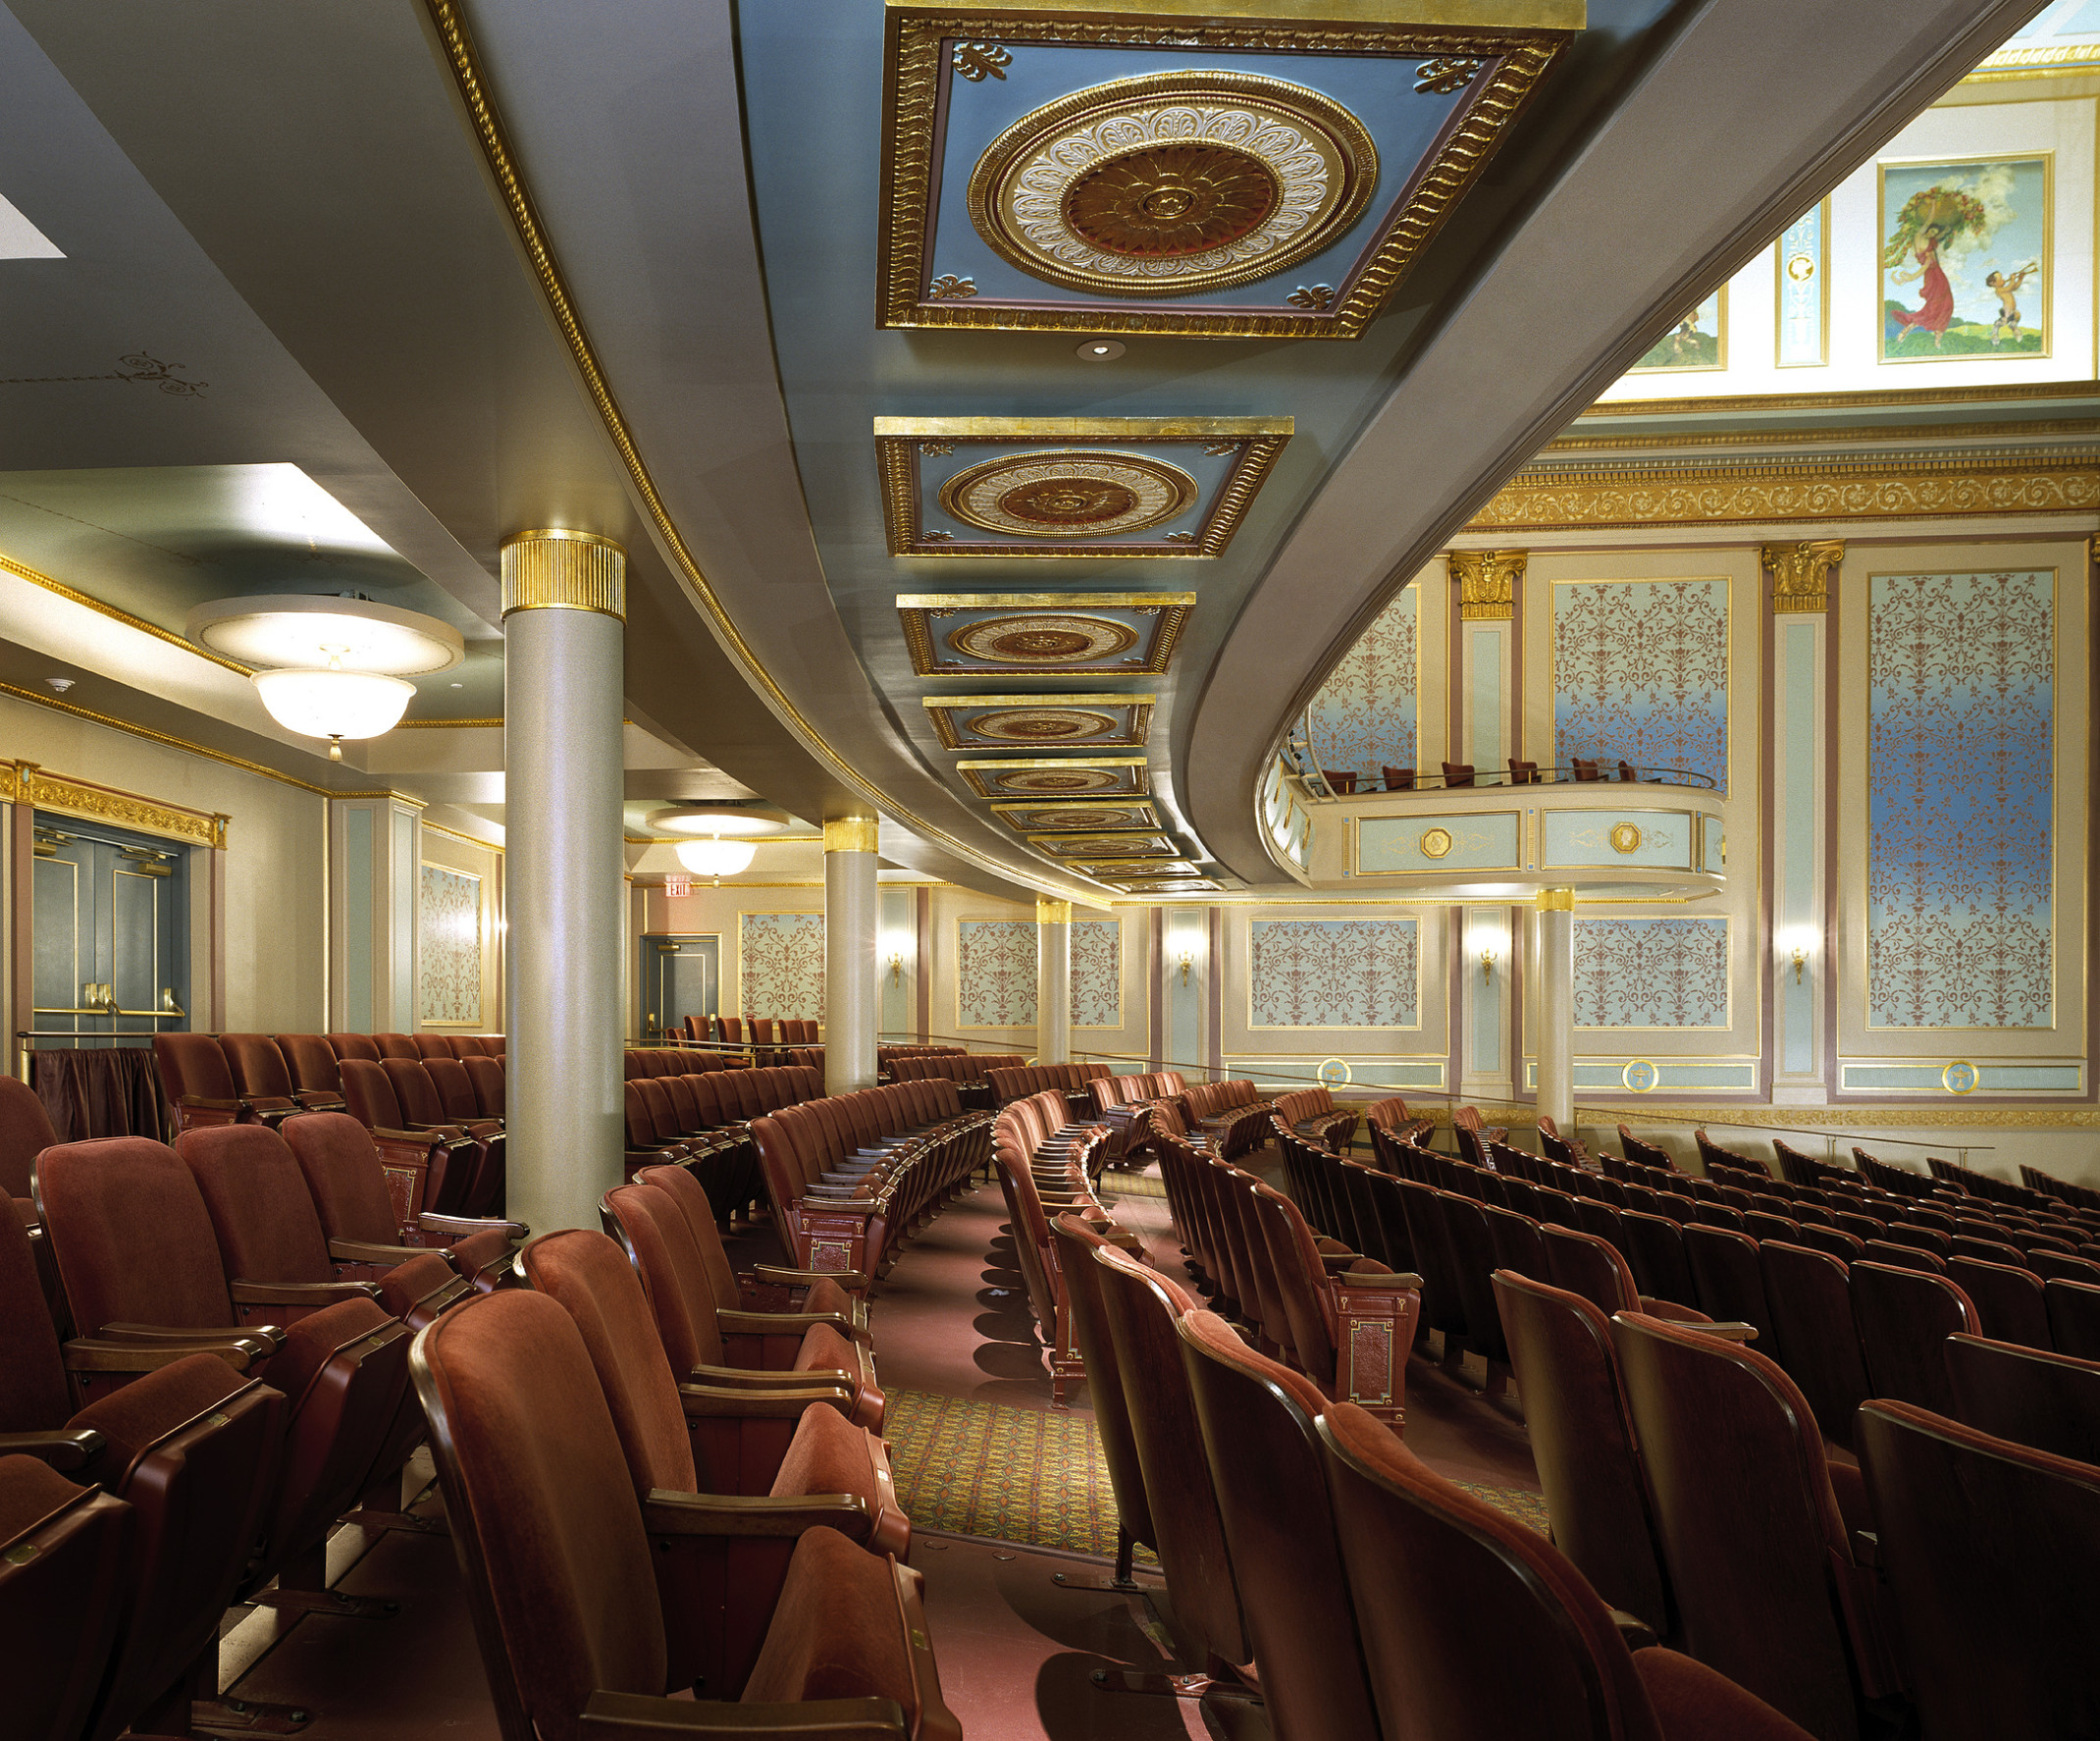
(553,569)
(1801,574)
(1487,583)
(1049,911)
(851,834)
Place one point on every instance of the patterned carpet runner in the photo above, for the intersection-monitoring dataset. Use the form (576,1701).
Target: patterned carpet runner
(1025,1475)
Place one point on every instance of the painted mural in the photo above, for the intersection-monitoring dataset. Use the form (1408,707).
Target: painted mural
(1961,725)
(1651,972)
(1097,972)
(1334,973)
(1963,254)
(1364,716)
(1696,342)
(995,972)
(1641,674)
(780,964)
(448,947)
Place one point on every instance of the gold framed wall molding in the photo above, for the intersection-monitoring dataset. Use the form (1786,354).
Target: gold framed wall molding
(26,782)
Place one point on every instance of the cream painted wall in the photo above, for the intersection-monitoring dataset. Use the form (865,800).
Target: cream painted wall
(275,861)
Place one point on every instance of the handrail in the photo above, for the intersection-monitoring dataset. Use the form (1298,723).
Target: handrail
(1559,774)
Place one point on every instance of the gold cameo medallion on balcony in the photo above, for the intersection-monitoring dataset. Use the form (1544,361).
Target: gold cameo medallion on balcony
(1625,838)
(1434,843)
(1069,495)
(1173,183)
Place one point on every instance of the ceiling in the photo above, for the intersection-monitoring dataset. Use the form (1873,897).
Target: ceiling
(281,310)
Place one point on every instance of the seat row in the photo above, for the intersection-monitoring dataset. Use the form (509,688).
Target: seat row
(1019,1082)
(849,1175)
(756,1030)
(1311,1113)
(1301,1538)
(706,1119)
(1928,1581)
(964,1069)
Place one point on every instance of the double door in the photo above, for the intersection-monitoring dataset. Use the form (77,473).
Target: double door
(681,976)
(110,930)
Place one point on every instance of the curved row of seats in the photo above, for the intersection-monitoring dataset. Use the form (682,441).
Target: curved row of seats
(964,1069)
(849,1173)
(1019,1082)
(755,1031)
(705,1118)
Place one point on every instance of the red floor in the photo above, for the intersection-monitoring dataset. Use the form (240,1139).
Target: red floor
(1016,1651)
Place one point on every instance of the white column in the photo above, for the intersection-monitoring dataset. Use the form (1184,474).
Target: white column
(564,611)
(851,918)
(1053,981)
(1557,1007)
(375,848)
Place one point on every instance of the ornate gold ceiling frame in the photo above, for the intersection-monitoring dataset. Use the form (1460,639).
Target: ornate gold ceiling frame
(1039,816)
(1519,38)
(1113,844)
(1172,608)
(900,443)
(1134,767)
(941,711)
(489,131)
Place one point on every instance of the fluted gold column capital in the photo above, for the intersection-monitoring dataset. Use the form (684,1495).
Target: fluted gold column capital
(555,569)
(1801,573)
(1557,900)
(1487,583)
(851,834)
(1048,911)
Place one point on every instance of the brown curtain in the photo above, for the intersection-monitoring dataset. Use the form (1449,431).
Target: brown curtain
(100,1092)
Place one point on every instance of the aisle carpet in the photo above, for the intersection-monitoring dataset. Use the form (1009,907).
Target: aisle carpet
(1024,1475)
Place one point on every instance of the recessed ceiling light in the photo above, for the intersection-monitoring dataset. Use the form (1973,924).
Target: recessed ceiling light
(1101,350)
(298,629)
(703,819)
(458,685)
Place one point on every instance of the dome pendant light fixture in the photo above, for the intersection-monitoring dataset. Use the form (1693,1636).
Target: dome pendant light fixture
(715,857)
(334,703)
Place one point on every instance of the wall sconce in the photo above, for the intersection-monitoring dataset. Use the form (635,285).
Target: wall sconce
(1189,961)
(1487,967)
(1799,943)
(1801,960)
(896,967)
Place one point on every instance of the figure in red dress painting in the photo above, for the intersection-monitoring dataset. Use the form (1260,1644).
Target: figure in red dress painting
(1938,308)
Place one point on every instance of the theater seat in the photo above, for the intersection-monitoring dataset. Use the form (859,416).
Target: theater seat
(1451,1595)
(199,1083)
(572,1617)
(1905,1318)
(2046,1401)
(263,1077)
(63,1560)
(436,1166)
(1987,1548)
(724,1571)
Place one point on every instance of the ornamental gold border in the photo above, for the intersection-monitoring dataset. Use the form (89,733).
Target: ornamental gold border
(942,708)
(911,99)
(1141,773)
(897,453)
(1120,843)
(1041,805)
(1882,487)
(27,783)
(1864,400)
(450,26)
(915,608)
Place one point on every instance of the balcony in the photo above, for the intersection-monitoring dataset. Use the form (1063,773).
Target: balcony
(1655,834)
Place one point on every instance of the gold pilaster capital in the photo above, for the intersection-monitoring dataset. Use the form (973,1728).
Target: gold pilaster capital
(1801,573)
(555,569)
(1487,583)
(1555,900)
(2092,549)
(851,834)
(1048,911)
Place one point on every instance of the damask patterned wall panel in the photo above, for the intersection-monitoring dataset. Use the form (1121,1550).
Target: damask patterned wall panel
(1960,768)
(1641,674)
(1334,973)
(780,964)
(448,946)
(1651,972)
(995,972)
(1364,715)
(1096,973)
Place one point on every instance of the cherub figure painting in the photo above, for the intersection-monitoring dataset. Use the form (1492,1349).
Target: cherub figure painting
(1965,240)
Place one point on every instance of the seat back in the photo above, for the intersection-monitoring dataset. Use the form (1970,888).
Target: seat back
(1748,1523)
(1905,1318)
(131,1236)
(25,1134)
(432,1045)
(368,1095)
(1731,1284)
(2045,1400)
(520,1428)
(653,1227)
(312,1063)
(1562,1353)
(1076,1245)
(64,1553)
(257,1067)
(455,1089)
(2008,1298)
(414,1091)
(261,1212)
(1448,1592)
(1809,1299)
(486,1075)
(1256,1418)
(1141,1307)
(344,1177)
(1584,1264)
(395,1045)
(2074,1316)
(1988,1548)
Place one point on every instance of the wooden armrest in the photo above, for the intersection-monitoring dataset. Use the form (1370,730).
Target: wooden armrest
(300,1294)
(1336,1262)
(668,1513)
(711,1403)
(1867,1548)
(1389,1281)
(65,1447)
(853,1281)
(1637,1632)
(466,1223)
(779,1323)
(359,1251)
(318,1099)
(110,1352)
(750,1378)
(201,1336)
(1726,1331)
(199,1100)
(638,1717)
(414,1139)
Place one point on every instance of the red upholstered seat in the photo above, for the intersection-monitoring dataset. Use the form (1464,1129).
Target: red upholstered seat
(354,1045)
(444,1160)
(262,1078)
(64,1556)
(723,1574)
(395,1045)
(575,1613)
(1753,1536)
(1987,1548)
(314,1066)
(1449,1593)
(199,1083)
(432,1045)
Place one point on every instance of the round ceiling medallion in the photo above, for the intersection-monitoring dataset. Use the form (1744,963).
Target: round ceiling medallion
(1069,495)
(1062,780)
(1042,725)
(1091,820)
(1173,183)
(1043,640)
